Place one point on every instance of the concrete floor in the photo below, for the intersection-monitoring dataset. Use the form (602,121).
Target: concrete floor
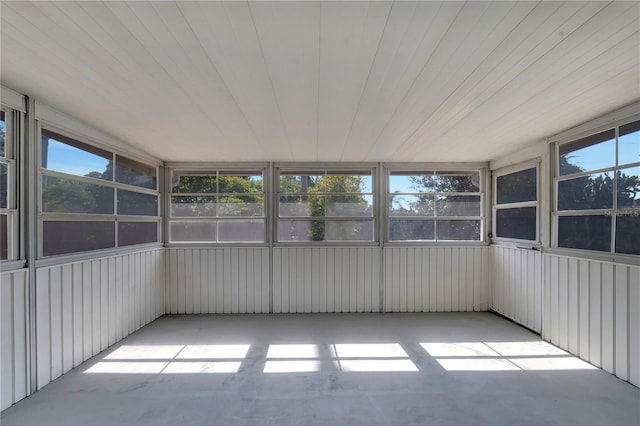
(332,369)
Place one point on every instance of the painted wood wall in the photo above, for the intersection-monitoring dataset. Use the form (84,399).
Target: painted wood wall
(14,317)
(516,285)
(326,279)
(592,309)
(84,307)
(217,280)
(436,279)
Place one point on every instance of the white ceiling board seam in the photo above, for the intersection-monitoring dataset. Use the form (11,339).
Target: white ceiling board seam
(413,83)
(224,82)
(570,77)
(366,83)
(460,84)
(165,70)
(522,74)
(487,95)
(284,127)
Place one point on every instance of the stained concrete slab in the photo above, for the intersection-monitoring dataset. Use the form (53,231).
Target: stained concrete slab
(410,369)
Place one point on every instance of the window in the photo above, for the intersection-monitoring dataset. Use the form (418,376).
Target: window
(597,191)
(435,206)
(85,206)
(325,205)
(8,187)
(516,205)
(217,206)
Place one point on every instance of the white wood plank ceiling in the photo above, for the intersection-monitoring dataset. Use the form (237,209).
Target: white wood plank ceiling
(325,81)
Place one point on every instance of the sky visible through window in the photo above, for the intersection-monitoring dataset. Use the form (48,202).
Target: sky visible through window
(68,159)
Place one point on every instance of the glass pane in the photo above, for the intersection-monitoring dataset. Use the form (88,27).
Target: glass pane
(348,230)
(74,237)
(411,205)
(457,182)
(241,206)
(135,203)
(3,135)
(586,192)
(629,188)
(458,205)
(193,183)
(4,236)
(67,155)
(301,205)
(297,230)
(241,230)
(130,233)
(590,153)
(71,196)
(193,206)
(629,143)
(352,183)
(403,183)
(628,234)
(349,205)
(325,230)
(467,230)
(516,223)
(135,173)
(193,231)
(585,232)
(4,194)
(517,187)
(411,230)
(298,183)
(240,184)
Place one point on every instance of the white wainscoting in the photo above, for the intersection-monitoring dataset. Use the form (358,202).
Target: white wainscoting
(217,280)
(592,309)
(84,307)
(436,279)
(326,279)
(14,354)
(516,285)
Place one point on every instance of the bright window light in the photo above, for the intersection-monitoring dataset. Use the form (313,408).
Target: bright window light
(293,351)
(477,364)
(201,367)
(306,366)
(127,368)
(554,363)
(377,365)
(214,352)
(145,352)
(465,349)
(534,348)
(370,350)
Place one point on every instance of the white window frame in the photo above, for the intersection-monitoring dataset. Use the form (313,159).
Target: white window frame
(87,217)
(495,206)
(421,168)
(10,160)
(318,169)
(573,136)
(215,169)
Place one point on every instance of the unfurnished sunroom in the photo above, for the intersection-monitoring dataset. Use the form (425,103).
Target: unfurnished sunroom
(429,212)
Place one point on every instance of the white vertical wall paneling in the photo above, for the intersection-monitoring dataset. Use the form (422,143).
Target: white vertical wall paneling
(436,279)
(621,325)
(84,307)
(602,305)
(325,279)
(218,280)
(608,315)
(516,285)
(14,312)
(634,326)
